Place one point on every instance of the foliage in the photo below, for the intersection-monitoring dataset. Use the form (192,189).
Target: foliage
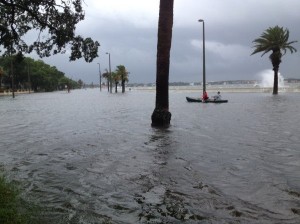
(80,83)
(1,75)
(12,208)
(119,75)
(115,78)
(105,74)
(123,74)
(54,23)
(276,40)
(34,74)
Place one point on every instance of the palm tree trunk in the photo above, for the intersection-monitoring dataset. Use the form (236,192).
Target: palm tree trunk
(161,116)
(275,58)
(275,86)
(123,83)
(123,86)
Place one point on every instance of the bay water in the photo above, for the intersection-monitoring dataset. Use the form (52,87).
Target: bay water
(93,157)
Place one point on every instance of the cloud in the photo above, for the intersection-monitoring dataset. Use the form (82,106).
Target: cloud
(128,30)
(227,52)
(141,14)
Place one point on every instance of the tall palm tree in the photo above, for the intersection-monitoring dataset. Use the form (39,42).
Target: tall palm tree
(161,116)
(274,39)
(123,73)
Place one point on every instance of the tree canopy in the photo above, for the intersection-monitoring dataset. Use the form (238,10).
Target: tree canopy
(123,75)
(33,74)
(275,40)
(54,22)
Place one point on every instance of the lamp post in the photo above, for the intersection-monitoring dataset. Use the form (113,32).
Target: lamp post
(99,75)
(204,79)
(109,72)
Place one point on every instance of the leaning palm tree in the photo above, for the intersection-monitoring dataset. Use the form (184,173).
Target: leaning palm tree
(161,116)
(274,39)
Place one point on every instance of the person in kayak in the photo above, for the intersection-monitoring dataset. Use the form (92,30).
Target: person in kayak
(218,96)
(205,96)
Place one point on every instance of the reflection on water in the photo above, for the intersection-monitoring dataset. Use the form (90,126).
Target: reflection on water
(91,157)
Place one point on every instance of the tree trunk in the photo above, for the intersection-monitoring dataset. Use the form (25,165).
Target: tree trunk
(276,60)
(123,84)
(275,86)
(161,116)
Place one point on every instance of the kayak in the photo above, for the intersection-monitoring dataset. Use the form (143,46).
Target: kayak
(199,100)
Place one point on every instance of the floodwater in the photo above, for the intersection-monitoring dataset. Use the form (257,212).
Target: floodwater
(93,157)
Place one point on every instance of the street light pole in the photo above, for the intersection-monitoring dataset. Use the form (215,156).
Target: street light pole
(204,78)
(109,72)
(99,75)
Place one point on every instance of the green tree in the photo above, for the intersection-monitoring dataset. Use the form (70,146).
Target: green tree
(161,116)
(11,64)
(35,74)
(57,18)
(106,76)
(123,73)
(44,77)
(66,83)
(116,79)
(1,76)
(276,40)
(80,83)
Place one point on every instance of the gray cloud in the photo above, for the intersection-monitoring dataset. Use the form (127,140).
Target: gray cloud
(129,32)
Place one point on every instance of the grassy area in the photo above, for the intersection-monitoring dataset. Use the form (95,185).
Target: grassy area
(13,210)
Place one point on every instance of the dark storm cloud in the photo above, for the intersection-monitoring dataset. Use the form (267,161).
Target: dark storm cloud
(129,32)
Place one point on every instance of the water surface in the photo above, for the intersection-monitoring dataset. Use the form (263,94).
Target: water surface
(93,157)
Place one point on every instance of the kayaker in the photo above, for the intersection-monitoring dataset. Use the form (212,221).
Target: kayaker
(218,96)
(205,96)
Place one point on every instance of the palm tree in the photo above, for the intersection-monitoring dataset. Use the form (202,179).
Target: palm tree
(106,75)
(274,39)
(123,73)
(161,116)
(116,78)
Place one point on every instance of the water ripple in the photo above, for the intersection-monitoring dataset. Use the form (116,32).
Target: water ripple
(91,157)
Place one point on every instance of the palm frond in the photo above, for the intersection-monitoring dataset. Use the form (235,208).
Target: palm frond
(274,39)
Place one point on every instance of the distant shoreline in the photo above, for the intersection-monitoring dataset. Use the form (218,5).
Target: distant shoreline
(196,88)
(224,88)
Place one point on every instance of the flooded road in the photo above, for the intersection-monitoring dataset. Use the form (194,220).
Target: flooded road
(93,157)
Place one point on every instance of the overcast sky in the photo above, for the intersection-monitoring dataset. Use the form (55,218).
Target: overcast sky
(128,30)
